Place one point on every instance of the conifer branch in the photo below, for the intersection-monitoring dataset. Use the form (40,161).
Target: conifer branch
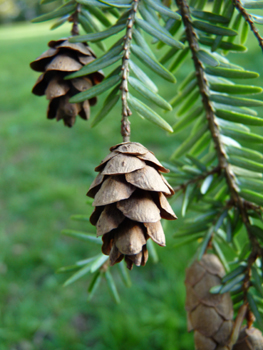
(213,125)
(74,19)
(246,283)
(183,186)
(126,112)
(247,18)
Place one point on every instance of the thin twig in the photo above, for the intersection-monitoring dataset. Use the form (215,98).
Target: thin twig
(247,18)
(215,133)
(126,112)
(74,18)
(251,206)
(183,186)
(246,283)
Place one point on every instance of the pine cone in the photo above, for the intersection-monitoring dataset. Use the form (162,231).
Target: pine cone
(130,200)
(62,59)
(209,315)
(249,339)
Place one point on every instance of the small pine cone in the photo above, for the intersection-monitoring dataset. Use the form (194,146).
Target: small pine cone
(60,60)
(209,315)
(249,339)
(130,200)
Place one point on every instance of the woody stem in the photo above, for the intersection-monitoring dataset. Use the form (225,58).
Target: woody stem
(126,112)
(74,19)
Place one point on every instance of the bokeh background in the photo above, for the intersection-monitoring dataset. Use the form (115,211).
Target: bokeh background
(46,170)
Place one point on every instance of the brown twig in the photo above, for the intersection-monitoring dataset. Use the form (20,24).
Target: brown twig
(247,18)
(126,112)
(74,19)
(255,253)
(183,186)
(251,206)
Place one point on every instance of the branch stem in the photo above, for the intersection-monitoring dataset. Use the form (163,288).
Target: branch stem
(183,186)
(74,19)
(247,18)
(126,112)
(246,283)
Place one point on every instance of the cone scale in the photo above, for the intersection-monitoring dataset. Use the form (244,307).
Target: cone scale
(130,199)
(249,339)
(210,316)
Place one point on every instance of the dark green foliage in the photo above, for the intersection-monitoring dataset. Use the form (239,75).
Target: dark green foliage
(217,168)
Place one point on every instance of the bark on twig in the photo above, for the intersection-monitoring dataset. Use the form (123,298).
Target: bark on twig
(183,186)
(126,112)
(247,18)
(74,19)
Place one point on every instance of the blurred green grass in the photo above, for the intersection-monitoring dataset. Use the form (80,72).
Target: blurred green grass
(46,170)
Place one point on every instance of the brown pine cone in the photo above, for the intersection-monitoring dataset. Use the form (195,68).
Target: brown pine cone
(130,200)
(249,339)
(209,315)
(62,59)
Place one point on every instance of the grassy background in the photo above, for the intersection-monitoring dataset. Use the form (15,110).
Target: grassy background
(46,170)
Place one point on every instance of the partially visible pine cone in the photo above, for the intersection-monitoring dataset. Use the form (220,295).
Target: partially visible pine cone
(62,59)
(209,315)
(130,200)
(249,339)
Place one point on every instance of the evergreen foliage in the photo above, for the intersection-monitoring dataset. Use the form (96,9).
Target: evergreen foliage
(218,168)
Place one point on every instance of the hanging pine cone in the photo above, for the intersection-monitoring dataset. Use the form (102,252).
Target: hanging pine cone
(209,315)
(130,200)
(62,59)
(249,339)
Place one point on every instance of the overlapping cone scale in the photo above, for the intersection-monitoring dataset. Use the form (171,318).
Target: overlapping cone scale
(210,316)
(60,60)
(249,339)
(130,199)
